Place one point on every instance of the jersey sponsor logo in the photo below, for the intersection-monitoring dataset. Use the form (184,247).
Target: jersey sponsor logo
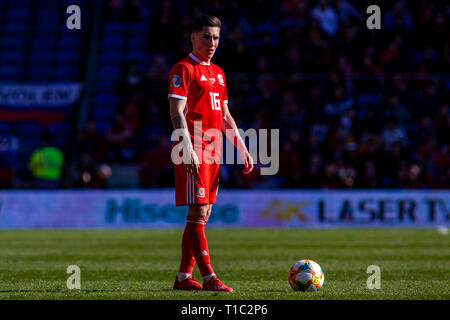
(176,81)
(212,80)
(219,76)
(201,192)
(203,78)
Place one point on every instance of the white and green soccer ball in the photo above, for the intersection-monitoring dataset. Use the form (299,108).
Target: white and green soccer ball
(306,275)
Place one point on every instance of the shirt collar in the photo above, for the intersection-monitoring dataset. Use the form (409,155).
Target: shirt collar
(198,60)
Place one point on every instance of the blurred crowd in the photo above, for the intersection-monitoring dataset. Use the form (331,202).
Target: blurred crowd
(356,108)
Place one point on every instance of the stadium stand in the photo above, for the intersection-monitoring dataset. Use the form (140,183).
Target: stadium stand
(37,50)
(357,108)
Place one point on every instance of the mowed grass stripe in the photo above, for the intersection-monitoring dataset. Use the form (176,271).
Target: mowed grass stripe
(141,264)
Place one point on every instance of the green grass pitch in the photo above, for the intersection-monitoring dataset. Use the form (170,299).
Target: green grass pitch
(142,264)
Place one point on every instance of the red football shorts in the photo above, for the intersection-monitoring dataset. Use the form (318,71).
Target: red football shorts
(201,188)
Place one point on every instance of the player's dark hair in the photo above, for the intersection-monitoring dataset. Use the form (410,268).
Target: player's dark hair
(205,21)
(47,138)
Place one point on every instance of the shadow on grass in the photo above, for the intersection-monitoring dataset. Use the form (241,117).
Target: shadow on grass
(82,290)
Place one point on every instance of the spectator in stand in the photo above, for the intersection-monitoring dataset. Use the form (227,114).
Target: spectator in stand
(392,133)
(126,10)
(442,125)
(334,92)
(330,179)
(338,103)
(327,17)
(119,141)
(132,11)
(46,164)
(290,166)
(396,109)
(91,145)
(114,11)
(131,80)
(294,12)
(397,17)
(414,178)
(95,177)
(159,67)
(346,11)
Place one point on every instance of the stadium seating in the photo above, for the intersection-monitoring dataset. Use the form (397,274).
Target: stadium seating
(37,48)
(10,73)
(5,127)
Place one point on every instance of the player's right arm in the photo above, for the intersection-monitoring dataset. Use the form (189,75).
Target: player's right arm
(178,118)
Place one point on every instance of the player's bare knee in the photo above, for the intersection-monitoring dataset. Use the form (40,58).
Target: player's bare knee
(198,211)
(208,214)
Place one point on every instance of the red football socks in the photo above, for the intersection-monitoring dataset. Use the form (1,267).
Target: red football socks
(195,236)
(187,257)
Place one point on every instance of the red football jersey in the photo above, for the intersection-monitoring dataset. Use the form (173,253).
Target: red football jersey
(204,88)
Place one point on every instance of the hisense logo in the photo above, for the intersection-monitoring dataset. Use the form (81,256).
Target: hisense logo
(135,211)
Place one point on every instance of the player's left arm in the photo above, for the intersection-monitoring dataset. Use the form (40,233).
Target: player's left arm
(231,131)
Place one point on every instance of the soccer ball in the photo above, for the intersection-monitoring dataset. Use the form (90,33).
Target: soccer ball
(306,275)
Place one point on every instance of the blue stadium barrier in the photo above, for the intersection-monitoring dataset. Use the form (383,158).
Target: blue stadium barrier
(62,142)
(29,128)
(138,42)
(139,28)
(114,28)
(112,42)
(73,42)
(51,13)
(139,55)
(58,129)
(109,71)
(18,14)
(30,140)
(16,29)
(111,56)
(65,73)
(13,43)
(44,29)
(105,99)
(10,73)
(105,86)
(67,57)
(103,113)
(46,42)
(46,3)
(64,31)
(5,128)
(102,126)
(12,57)
(364,99)
(76,2)
(20,3)
(24,153)
(44,56)
(39,73)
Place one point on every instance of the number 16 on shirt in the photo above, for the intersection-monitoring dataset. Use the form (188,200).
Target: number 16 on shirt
(215,101)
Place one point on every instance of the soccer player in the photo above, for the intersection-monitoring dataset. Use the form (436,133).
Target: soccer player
(198,96)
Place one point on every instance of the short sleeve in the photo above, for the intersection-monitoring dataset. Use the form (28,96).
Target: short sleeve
(225,95)
(179,81)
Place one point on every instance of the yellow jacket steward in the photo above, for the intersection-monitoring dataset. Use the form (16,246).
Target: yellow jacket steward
(47,163)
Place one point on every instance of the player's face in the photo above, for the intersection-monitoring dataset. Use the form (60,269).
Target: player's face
(205,42)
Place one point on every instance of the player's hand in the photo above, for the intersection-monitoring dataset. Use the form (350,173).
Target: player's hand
(248,163)
(194,164)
